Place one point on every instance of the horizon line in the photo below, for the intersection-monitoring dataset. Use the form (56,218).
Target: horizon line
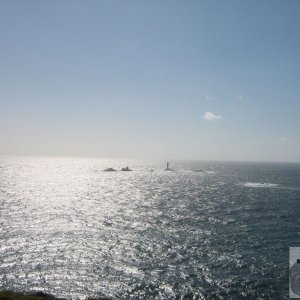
(151,159)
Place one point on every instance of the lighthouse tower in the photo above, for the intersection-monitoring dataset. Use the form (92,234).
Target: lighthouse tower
(168,168)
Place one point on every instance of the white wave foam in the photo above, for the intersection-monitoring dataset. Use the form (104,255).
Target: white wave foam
(260,185)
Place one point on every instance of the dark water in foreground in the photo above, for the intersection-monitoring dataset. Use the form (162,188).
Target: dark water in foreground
(70,229)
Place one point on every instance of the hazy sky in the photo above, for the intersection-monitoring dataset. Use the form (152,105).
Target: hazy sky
(151,79)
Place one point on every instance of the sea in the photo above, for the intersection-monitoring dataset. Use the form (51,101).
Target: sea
(207,230)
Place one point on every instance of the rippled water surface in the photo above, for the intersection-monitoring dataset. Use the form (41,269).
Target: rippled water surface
(72,230)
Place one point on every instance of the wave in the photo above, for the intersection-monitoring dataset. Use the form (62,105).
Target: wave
(260,185)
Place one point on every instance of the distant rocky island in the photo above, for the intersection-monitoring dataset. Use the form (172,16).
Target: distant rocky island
(114,170)
(110,170)
(126,169)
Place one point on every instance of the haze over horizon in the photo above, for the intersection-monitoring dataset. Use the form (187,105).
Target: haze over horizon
(203,80)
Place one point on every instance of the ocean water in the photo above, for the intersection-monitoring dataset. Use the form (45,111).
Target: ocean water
(70,229)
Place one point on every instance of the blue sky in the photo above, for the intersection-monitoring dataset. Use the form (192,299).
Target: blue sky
(137,78)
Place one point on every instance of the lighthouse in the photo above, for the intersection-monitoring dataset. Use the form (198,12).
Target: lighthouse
(168,168)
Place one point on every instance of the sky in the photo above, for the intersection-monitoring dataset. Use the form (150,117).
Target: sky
(203,80)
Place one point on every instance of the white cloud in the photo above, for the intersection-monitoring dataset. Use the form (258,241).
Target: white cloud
(277,140)
(282,139)
(210,98)
(209,116)
(240,98)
